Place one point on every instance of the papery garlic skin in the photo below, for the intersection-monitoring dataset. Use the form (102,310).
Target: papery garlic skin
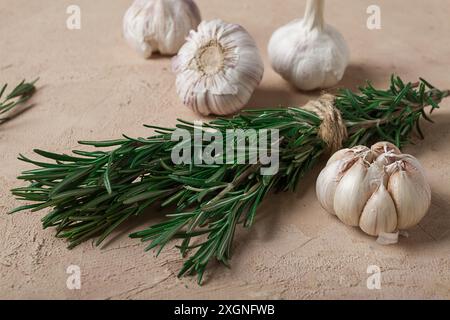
(383,148)
(327,183)
(412,196)
(379,189)
(352,194)
(358,151)
(379,214)
(218,68)
(339,155)
(337,165)
(309,53)
(151,26)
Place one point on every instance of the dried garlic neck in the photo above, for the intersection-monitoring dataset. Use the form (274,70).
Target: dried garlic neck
(210,58)
(314,14)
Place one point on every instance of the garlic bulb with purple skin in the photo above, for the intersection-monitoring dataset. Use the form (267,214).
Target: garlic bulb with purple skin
(379,189)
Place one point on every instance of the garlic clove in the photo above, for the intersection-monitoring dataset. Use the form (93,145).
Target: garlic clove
(218,68)
(410,162)
(336,167)
(386,153)
(384,147)
(379,214)
(327,183)
(364,153)
(159,25)
(376,175)
(349,153)
(309,53)
(339,155)
(352,193)
(411,194)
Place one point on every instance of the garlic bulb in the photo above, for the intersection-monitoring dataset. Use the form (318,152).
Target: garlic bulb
(218,68)
(309,53)
(159,25)
(379,189)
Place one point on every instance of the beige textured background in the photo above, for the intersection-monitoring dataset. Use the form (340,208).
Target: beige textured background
(94,87)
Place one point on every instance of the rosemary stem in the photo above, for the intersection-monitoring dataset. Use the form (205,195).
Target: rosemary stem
(355,126)
(93,193)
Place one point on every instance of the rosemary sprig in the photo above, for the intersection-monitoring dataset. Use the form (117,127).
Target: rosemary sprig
(92,193)
(19,95)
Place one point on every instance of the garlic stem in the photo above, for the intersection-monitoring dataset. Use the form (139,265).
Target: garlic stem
(314,14)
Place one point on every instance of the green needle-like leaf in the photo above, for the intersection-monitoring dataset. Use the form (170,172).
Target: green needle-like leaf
(93,193)
(18,96)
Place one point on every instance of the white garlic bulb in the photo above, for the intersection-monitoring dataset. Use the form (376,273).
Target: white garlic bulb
(218,68)
(309,53)
(379,189)
(159,25)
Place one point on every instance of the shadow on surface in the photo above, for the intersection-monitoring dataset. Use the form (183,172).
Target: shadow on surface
(266,98)
(357,75)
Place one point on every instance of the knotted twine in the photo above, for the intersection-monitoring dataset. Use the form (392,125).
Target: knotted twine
(332,130)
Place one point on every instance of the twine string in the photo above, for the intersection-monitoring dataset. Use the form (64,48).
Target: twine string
(333,130)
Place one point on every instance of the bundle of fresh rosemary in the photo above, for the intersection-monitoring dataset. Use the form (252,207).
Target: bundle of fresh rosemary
(92,193)
(20,94)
